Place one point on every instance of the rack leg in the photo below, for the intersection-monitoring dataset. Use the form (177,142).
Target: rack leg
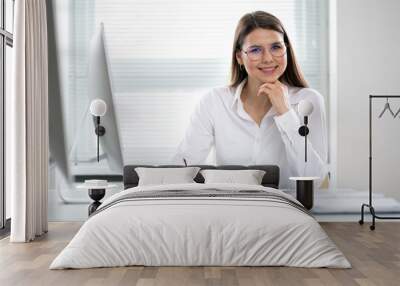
(372,210)
(361,221)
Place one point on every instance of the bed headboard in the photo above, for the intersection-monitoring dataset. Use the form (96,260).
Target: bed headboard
(270,179)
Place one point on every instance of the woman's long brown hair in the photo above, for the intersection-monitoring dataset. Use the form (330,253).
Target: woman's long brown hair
(260,19)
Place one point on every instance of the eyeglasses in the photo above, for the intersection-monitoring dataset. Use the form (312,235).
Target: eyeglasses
(255,53)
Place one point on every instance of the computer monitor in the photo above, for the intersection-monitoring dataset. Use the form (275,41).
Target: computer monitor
(100,87)
(99,81)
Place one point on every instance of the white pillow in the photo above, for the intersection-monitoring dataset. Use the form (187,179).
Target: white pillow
(163,176)
(249,177)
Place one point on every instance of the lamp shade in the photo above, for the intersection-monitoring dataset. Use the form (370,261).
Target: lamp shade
(305,108)
(98,107)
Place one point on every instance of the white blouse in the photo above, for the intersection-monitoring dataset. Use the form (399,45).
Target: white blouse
(220,120)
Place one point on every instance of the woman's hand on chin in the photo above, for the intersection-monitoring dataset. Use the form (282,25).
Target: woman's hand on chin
(277,93)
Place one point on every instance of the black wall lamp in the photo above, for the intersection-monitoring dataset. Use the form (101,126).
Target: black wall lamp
(305,108)
(305,185)
(98,108)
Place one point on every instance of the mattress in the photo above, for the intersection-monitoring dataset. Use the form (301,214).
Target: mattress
(201,225)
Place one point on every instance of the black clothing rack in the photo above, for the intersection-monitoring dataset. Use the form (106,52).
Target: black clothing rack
(369,205)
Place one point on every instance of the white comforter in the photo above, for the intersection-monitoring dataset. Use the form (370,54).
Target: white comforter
(200,231)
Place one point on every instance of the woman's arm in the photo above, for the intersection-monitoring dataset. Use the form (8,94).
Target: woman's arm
(199,135)
(317,143)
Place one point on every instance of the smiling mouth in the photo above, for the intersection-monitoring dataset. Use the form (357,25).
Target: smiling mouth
(268,70)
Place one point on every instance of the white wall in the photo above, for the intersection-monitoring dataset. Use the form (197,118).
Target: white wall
(368,62)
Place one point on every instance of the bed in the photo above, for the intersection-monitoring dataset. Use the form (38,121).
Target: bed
(198,224)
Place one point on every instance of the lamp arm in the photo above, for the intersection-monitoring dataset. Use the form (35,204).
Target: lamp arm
(303,131)
(97,133)
(305,146)
(305,138)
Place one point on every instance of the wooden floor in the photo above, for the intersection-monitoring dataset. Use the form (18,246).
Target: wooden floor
(374,255)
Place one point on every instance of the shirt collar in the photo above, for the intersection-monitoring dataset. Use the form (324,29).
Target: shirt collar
(238,91)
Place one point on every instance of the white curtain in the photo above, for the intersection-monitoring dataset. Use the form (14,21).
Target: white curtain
(27,123)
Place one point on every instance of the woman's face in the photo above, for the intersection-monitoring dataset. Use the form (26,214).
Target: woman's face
(263,55)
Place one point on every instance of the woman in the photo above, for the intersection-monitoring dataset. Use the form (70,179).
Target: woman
(254,120)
